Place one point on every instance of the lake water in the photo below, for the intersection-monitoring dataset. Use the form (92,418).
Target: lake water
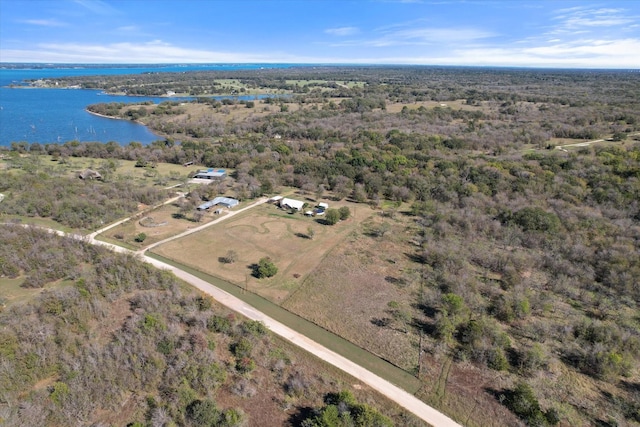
(58,115)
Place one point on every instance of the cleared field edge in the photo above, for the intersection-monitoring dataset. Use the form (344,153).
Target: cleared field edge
(339,345)
(115,242)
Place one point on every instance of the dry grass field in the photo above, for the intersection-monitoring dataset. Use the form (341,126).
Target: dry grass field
(348,281)
(343,279)
(264,231)
(350,291)
(204,112)
(164,174)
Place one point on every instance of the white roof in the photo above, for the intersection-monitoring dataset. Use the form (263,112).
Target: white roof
(275,198)
(296,204)
(323,205)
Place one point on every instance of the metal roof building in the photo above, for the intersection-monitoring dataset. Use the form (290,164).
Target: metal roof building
(211,174)
(227,202)
(291,203)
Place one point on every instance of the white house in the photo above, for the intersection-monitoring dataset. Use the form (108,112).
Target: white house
(291,204)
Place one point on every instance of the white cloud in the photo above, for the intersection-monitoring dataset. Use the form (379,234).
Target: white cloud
(97,6)
(44,22)
(128,29)
(131,30)
(156,51)
(420,36)
(581,17)
(342,31)
(440,35)
(580,54)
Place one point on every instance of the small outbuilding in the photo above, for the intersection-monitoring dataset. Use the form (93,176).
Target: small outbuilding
(323,205)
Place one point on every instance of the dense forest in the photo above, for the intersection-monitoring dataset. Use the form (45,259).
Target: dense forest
(528,251)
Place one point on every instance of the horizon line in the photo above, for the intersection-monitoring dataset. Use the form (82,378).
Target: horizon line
(307,64)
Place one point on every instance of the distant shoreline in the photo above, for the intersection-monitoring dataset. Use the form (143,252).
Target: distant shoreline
(119,118)
(110,117)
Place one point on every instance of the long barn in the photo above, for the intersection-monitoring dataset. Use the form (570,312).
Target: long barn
(227,202)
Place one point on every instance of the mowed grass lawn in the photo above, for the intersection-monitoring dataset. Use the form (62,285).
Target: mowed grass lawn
(264,231)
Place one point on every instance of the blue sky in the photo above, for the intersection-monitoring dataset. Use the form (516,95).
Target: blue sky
(539,33)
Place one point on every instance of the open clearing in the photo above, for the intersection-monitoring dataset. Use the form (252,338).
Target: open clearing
(158,224)
(165,174)
(265,231)
(12,292)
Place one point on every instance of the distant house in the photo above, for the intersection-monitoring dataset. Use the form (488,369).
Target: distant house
(214,174)
(291,204)
(227,202)
(275,199)
(89,174)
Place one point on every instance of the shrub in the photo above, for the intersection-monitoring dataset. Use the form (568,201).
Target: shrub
(203,413)
(219,324)
(229,258)
(342,409)
(140,237)
(241,348)
(536,219)
(332,216)
(245,365)
(344,213)
(523,402)
(254,327)
(266,268)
